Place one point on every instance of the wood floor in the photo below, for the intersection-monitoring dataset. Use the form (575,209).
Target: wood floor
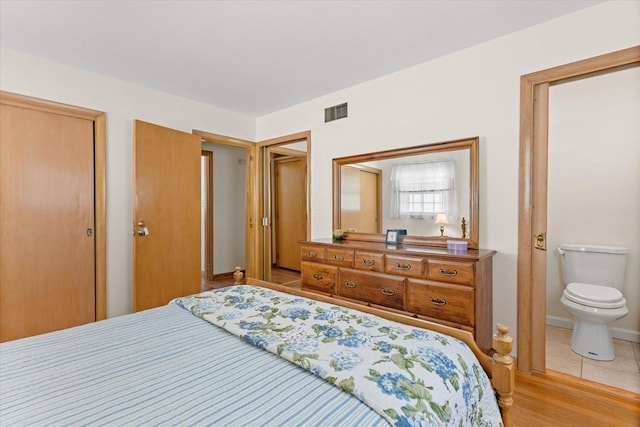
(556,399)
(553,399)
(278,275)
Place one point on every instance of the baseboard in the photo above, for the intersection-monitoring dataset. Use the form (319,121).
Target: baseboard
(619,333)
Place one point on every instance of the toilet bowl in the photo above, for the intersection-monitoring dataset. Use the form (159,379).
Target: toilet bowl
(593,308)
(594,277)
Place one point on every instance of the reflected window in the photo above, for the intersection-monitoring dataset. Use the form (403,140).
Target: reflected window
(420,190)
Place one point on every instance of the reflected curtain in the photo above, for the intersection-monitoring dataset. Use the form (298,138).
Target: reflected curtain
(421,190)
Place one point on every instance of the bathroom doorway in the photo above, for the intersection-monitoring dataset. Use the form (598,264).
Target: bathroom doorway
(593,191)
(532,263)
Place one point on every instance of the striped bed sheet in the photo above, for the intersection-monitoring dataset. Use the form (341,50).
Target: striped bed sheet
(158,367)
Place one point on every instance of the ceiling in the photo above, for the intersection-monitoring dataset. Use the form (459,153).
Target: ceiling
(257,57)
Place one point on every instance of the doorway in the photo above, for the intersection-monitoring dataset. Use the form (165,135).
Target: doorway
(228,190)
(532,263)
(289,155)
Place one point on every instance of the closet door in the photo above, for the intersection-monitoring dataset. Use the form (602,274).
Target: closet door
(47,243)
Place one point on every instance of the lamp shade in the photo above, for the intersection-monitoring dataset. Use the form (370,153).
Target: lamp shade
(442,219)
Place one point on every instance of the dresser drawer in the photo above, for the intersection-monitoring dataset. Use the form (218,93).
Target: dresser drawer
(319,277)
(371,261)
(341,257)
(375,288)
(313,253)
(450,271)
(405,266)
(441,301)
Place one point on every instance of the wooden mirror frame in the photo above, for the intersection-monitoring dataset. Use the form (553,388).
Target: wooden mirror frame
(473,144)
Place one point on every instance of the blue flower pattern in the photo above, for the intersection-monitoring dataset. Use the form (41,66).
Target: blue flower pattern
(355,339)
(345,360)
(388,383)
(296,313)
(412,377)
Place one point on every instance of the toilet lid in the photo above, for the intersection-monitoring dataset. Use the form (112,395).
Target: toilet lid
(594,295)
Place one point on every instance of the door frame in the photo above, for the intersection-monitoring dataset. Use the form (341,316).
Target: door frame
(208,219)
(532,200)
(262,207)
(251,196)
(99,158)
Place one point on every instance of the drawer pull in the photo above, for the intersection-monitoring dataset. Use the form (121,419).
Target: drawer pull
(338,257)
(437,301)
(404,267)
(447,272)
(317,276)
(369,261)
(350,284)
(312,254)
(388,291)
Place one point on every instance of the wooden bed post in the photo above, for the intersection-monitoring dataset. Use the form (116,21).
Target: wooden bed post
(503,372)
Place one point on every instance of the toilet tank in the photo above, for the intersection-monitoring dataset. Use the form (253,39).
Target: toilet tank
(592,264)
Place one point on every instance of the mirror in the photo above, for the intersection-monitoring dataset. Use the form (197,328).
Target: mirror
(410,189)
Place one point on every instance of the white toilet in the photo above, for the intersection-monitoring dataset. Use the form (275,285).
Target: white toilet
(594,277)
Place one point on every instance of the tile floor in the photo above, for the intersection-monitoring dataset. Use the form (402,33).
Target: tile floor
(622,372)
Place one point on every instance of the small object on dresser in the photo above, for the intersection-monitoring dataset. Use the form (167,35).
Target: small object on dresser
(442,220)
(457,245)
(392,237)
(238,275)
(338,234)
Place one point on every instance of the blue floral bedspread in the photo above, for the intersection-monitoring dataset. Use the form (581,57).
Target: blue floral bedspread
(410,376)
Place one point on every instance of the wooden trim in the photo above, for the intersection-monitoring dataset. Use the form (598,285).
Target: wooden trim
(539,221)
(288,152)
(262,243)
(222,139)
(499,367)
(252,225)
(287,139)
(100,171)
(100,144)
(534,113)
(17,100)
(208,221)
(585,67)
(251,246)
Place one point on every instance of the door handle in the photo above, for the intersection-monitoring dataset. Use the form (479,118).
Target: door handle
(143,230)
(540,241)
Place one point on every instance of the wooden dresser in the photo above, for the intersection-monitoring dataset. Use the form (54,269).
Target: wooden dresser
(451,288)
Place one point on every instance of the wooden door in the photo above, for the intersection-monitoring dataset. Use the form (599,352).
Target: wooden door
(166,250)
(290,213)
(47,238)
(360,204)
(369,202)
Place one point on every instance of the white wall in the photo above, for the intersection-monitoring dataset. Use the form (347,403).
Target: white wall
(594,181)
(472,92)
(122,102)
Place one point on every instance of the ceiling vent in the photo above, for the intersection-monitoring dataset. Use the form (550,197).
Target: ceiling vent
(336,112)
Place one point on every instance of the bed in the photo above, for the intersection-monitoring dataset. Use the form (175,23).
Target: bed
(255,355)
